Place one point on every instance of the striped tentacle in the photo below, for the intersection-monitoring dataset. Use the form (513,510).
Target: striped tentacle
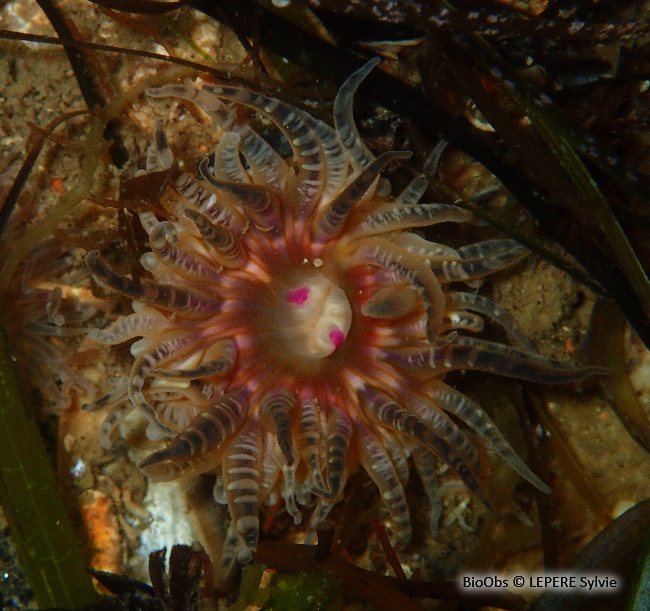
(443,427)
(307,184)
(471,353)
(164,296)
(399,455)
(392,217)
(202,393)
(262,203)
(463,321)
(267,168)
(384,253)
(216,209)
(172,346)
(425,465)
(430,251)
(195,446)
(310,441)
(230,551)
(501,316)
(110,423)
(218,361)
(227,162)
(320,513)
(275,410)
(331,220)
(391,302)
(266,165)
(163,241)
(241,479)
(117,395)
(346,129)
(476,261)
(128,327)
(175,412)
(339,435)
(472,414)
(228,249)
(418,186)
(159,155)
(435,434)
(336,163)
(377,462)
(116,412)
(270,468)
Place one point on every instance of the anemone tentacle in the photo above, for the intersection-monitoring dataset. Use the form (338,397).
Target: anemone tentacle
(163,241)
(134,325)
(384,253)
(483,305)
(276,408)
(491,357)
(414,191)
(425,249)
(334,155)
(305,186)
(310,426)
(259,201)
(331,221)
(227,161)
(464,321)
(216,209)
(377,462)
(241,480)
(426,468)
(385,410)
(472,414)
(228,250)
(207,432)
(166,297)
(159,155)
(479,260)
(356,150)
(225,350)
(340,428)
(267,167)
(389,217)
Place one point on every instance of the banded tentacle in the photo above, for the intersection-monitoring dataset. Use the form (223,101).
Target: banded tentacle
(241,480)
(305,187)
(379,465)
(276,409)
(462,459)
(189,451)
(472,353)
(472,414)
(266,165)
(383,253)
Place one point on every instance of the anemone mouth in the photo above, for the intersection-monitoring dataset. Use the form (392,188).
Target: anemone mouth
(318,318)
(302,324)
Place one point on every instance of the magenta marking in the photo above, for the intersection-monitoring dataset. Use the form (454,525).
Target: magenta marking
(337,338)
(299,296)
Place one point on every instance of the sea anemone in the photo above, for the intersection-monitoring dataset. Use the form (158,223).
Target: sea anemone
(294,327)
(47,312)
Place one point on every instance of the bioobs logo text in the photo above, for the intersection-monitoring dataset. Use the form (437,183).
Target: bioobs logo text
(483,582)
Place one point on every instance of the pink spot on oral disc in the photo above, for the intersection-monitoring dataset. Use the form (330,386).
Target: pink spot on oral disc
(336,337)
(299,296)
